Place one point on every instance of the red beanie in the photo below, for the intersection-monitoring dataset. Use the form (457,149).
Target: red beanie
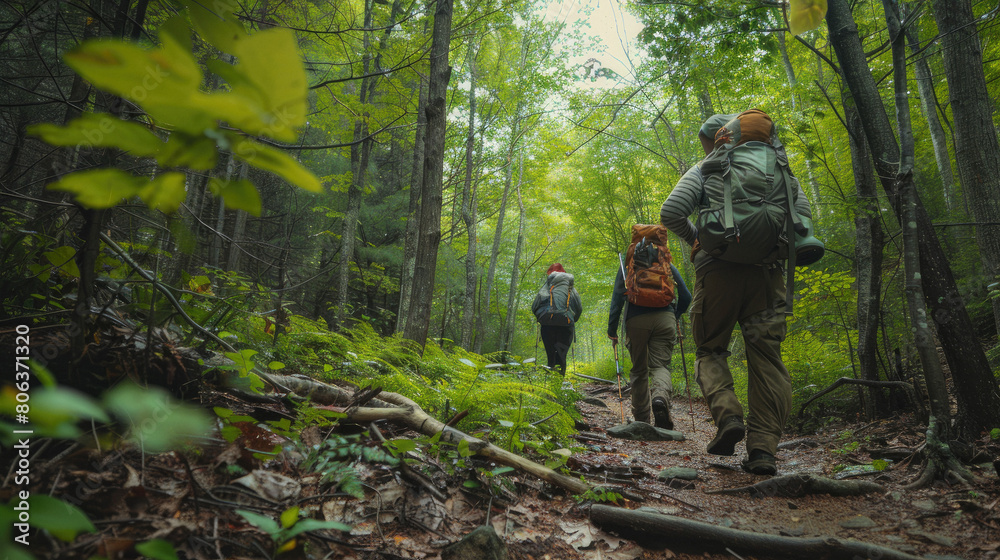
(556,267)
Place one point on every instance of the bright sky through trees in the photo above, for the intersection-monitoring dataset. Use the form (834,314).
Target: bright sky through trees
(607,21)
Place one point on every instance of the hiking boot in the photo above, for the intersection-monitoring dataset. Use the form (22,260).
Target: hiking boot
(661,414)
(731,432)
(760,462)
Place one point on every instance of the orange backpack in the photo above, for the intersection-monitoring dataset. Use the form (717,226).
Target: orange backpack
(649,282)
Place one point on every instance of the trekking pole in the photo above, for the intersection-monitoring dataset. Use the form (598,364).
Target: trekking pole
(680,339)
(618,372)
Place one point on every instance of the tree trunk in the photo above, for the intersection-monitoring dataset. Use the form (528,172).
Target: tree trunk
(360,149)
(416,186)
(978,396)
(507,336)
(484,311)
(469,216)
(239,230)
(939,457)
(928,102)
(867,257)
(422,294)
(977,149)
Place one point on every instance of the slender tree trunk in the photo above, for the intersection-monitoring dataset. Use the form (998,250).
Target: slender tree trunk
(507,335)
(416,187)
(422,294)
(867,256)
(928,102)
(939,455)
(239,231)
(469,211)
(978,396)
(484,311)
(360,150)
(977,149)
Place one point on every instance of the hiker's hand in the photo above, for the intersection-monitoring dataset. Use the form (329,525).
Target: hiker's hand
(695,248)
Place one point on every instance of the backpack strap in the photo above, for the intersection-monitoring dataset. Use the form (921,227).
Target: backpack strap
(793,223)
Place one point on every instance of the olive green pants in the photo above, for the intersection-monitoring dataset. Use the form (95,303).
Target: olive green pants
(726,294)
(651,338)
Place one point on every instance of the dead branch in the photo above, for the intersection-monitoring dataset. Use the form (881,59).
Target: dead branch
(867,383)
(797,485)
(397,408)
(678,533)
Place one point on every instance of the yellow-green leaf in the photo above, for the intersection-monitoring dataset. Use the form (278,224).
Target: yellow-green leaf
(270,60)
(185,150)
(162,81)
(289,516)
(100,188)
(275,161)
(218,26)
(164,193)
(238,194)
(65,258)
(100,131)
(805,15)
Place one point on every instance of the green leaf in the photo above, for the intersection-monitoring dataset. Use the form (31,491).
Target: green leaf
(265,524)
(101,131)
(312,525)
(64,258)
(54,411)
(463,448)
(275,161)
(63,520)
(158,421)
(399,446)
(100,188)
(270,60)
(501,470)
(157,549)
(186,150)
(222,412)
(219,26)
(289,516)
(275,366)
(471,484)
(165,193)
(805,15)
(238,194)
(165,82)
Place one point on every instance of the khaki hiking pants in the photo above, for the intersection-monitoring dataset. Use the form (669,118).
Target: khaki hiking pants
(651,338)
(754,296)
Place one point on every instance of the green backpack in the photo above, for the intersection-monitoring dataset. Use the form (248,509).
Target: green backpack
(749,216)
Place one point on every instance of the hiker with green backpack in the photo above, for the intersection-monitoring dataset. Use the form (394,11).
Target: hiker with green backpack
(753,228)
(557,307)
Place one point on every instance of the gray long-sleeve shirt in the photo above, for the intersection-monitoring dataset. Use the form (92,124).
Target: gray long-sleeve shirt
(689,197)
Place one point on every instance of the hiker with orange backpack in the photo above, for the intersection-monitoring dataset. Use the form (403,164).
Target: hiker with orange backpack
(753,217)
(557,307)
(653,294)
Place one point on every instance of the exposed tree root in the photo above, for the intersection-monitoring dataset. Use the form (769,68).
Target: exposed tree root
(687,535)
(397,408)
(797,485)
(941,462)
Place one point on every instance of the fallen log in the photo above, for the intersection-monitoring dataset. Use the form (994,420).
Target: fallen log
(397,408)
(679,534)
(797,485)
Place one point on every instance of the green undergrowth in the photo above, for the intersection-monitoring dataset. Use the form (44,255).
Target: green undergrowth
(511,404)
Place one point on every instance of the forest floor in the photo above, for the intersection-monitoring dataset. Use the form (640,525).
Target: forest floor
(190,499)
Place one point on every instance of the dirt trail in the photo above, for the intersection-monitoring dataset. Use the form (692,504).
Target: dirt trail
(940,522)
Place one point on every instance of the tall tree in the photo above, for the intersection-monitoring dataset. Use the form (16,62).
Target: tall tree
(977,150)
(429,228)
(978,396)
